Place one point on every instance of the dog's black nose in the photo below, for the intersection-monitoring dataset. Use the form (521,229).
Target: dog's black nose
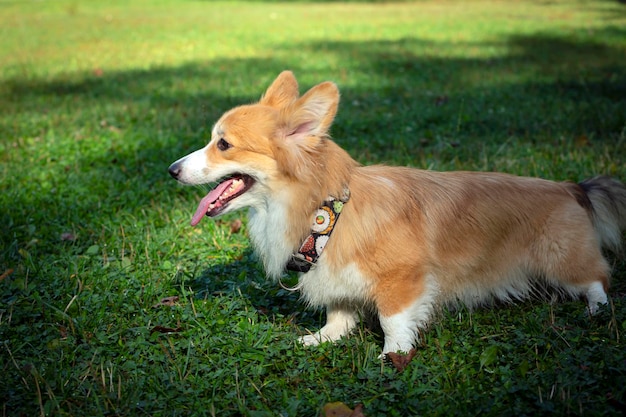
(174,170)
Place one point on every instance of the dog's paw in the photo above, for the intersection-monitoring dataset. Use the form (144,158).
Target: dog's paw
(311,339)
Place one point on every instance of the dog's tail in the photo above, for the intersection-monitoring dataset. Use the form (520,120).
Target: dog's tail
(608,209)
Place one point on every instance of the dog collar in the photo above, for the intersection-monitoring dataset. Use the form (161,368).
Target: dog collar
(324,222)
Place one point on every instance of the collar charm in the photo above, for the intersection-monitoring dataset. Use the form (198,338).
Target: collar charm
(323,224)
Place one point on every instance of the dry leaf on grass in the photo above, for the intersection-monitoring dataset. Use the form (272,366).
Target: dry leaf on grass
(68,237)
(167,301)
(6,273)
(339,409)
(401,360)
(235,226)
(162,329)
(63,332)
(358,411)
(582,141)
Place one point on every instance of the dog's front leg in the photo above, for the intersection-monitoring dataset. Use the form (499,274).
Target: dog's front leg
(340,320)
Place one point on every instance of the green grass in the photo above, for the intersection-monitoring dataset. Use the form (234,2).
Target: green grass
(97,98)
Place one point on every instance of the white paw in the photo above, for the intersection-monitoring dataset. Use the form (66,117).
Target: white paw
(398,348)
(596,297)
(311,339)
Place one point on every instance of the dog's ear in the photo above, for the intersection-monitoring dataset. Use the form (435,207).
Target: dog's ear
(304,123)
(283,91)
(313,113)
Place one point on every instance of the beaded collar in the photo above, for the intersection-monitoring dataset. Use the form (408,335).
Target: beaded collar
(324,222)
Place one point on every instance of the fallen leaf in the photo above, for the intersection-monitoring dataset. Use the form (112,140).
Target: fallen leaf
(167,301)
(68,237)
(582,141)
(235,226)
(400,360)
(162,329)
(63,332)
(6,274)
(358,411)
(339,409)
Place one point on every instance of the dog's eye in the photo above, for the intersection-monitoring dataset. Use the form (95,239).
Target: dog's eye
(222,145)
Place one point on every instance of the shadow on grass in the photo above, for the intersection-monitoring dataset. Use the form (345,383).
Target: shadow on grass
(245,277)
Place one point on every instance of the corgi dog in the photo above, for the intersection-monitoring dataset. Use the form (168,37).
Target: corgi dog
(394,240)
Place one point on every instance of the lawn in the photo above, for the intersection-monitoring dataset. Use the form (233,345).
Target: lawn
(111,304)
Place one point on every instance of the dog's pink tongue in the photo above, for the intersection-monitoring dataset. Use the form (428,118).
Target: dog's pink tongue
(211,197)
(203,207)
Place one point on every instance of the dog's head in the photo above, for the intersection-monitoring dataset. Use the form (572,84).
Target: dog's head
(257,149)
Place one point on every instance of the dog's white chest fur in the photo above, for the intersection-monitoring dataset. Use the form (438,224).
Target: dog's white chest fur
(268,231)
(324,285)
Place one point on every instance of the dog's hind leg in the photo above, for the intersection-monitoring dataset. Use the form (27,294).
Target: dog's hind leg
(568,255)
(596,295)
(587,275)
(588,278)
(340,320)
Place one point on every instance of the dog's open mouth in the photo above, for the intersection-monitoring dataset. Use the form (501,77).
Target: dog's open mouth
(218,198)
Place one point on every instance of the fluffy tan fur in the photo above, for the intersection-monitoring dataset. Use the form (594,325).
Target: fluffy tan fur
(408,240)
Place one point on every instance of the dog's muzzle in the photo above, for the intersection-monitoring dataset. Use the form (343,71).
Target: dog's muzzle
(175,170)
